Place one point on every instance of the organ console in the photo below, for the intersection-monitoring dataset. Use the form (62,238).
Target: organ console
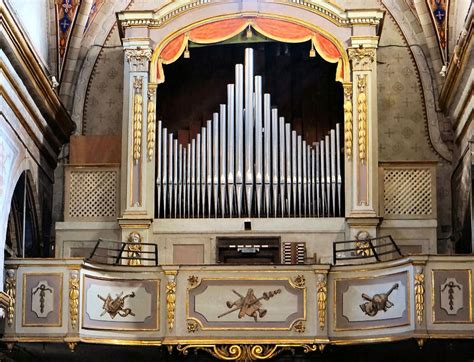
(248,162)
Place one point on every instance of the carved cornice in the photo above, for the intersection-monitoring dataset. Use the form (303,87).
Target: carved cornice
(326,9)
(362,58)
(138,58)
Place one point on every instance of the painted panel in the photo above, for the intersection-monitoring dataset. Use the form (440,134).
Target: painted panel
(247,304)
(451,296)
(42,300)
(120,304)
(371,302)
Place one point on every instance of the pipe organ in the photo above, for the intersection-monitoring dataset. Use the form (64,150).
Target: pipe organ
(248,162)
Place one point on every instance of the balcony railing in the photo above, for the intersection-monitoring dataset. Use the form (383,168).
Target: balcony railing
(111,252)
(366,250)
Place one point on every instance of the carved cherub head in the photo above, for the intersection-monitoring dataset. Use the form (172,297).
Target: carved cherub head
(134,237)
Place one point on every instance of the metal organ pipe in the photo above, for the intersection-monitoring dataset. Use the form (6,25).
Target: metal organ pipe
(246,153)
(249,130)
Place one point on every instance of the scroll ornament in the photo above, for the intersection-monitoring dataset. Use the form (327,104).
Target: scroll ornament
(322,291)
(348,119)
(419,295)
(362,116)
(237,352)
(170,302)
(137,118)
(151,122)
(10,290)
(74,298)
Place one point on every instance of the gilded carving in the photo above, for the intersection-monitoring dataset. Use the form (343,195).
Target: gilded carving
(138,59)
(236,352)
(71,346)
(322,291)
(192,326)
(299,281)
(10,289)
(362,246)
(362,58)
(151,121)
(362,116)
(299,326)
(137,117)
(134,248)
(171,299)
(419,294)
(249,305)
(74,298)
(348,119)
(193,281)
(379,302)
(116,306)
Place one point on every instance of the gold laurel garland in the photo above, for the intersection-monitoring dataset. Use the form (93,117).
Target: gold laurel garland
(10,290)
(322,290)
(362,116)
(74,299)
(348,119)
(419,296)
(137,118)
(170,303)
(151,121)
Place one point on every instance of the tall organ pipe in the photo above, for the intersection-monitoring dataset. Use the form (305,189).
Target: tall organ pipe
(275,160)
(258,143)
(239,135)
(215,171)
(223,157)
(158,167)
(281,152)
(230,143)
(267,151)
(249,129)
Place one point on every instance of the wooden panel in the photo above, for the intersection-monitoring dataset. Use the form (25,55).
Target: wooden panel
(94,149)
(188,254)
